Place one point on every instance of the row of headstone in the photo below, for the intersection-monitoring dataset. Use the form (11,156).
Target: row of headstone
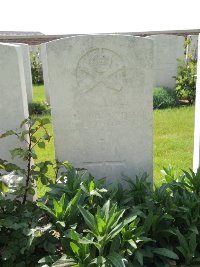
(13,94)
(167,49)
(100,89)
(101,100)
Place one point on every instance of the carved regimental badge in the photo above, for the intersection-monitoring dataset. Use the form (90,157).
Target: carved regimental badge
(100,66)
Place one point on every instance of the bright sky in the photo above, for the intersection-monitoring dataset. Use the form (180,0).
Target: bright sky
(98,16)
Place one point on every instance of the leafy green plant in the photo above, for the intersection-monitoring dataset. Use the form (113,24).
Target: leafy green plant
(186,76)
(164,98)
(82,222)
(188,248)
(63,212)
(26,134)
(36,68)
(39,108)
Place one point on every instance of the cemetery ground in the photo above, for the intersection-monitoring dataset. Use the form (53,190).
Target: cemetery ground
(173,139)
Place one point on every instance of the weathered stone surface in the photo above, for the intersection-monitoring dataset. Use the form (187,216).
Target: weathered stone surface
(101,100)
(13,101)
(167,48)
(43,56)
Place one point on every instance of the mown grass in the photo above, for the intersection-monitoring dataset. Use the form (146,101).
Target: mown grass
(38,93)
(173,139)
(48,153)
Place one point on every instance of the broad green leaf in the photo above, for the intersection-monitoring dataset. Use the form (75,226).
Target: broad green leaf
(4,187)
(106,208)
(64,261)
(41,144)
(91,186)
(148,222)
(115,244)
(101,224)
(89,220)
(49,211)
(72,206)
(95,193)
(74,248)
(132,243)
(114,218)
(19,152)
(182,241)
(139,257)
(31,191)
(116,259)
(129,219)
(59,206)
(166,253)
(116,230)
(193,242)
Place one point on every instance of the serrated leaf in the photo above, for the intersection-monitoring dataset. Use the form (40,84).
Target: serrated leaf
(10,132)
(41,144)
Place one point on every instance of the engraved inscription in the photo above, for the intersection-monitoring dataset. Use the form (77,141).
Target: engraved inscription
(100,66)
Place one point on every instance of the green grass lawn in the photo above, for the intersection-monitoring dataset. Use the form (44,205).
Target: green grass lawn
(38,93)
(173,138)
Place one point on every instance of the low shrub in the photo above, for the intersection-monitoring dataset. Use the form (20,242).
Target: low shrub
(186,80)
(83,222)
(38,108)
(36,68)
(186,75)
(164,98)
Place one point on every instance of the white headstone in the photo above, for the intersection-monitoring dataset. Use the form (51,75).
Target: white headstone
(192,47)
(101,100)
(196,156)
(27,71)
(167,48)
(13,101)
(43,56)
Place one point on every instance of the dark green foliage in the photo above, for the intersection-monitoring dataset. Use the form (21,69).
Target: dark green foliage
(36,68)
(82,222)
(38,108)
(164,98)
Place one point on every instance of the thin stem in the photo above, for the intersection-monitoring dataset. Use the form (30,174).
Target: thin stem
(28,177)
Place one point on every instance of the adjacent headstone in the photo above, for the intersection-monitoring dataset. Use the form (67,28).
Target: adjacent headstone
(43,56)
(27,71)
(13,101)
(101,100)
(196,156)
(192,47)
(167,48)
